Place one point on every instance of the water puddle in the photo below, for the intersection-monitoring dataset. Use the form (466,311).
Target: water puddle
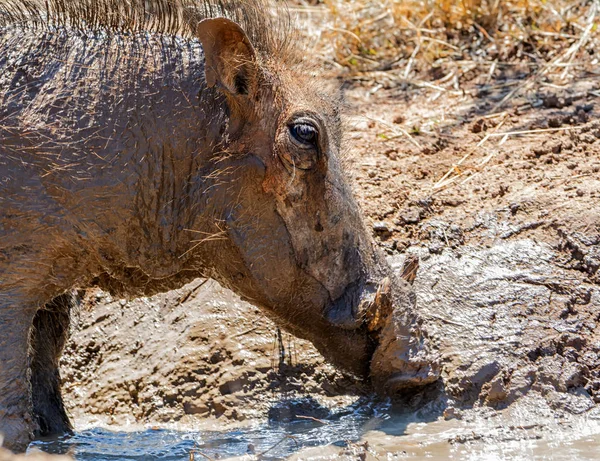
(527,431)
(270,441)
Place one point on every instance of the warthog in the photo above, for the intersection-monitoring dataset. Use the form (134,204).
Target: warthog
(147,143)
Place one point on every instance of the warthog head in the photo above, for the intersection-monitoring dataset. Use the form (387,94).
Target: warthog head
(292,238)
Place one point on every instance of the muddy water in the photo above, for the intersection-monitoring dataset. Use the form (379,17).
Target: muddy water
(367,430)
(267,440)
(528,430)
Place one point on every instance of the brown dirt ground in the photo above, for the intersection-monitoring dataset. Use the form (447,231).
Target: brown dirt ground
(188,355)
(200,354)
(541,185)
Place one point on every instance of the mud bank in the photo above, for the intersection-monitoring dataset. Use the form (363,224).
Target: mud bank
(185,356)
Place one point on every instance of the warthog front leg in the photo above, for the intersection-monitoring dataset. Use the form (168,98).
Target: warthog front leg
(48,337)
(16,409)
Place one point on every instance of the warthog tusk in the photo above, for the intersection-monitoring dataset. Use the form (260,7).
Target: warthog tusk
(381,307)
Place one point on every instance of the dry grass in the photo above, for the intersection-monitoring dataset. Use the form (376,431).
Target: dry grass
(519,53)
(441,43)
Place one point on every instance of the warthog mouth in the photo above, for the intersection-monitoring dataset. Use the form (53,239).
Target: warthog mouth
(400,359)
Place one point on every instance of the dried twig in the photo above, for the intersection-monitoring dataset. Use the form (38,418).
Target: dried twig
(285,437)
(196,451)
(312,419)
(567,55)
(192,291)
(410,268)
(443,182)
(540,130)
(446,180)
(398,131)
(572,51)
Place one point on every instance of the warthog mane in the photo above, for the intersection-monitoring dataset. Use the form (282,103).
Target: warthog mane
(269,27)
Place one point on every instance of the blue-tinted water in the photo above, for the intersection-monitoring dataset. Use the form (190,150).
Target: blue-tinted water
(272,440)
(521,435)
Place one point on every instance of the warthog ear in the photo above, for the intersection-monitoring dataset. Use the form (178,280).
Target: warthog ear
(230,60)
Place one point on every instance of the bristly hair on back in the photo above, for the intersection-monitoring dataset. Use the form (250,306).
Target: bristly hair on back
(268,25)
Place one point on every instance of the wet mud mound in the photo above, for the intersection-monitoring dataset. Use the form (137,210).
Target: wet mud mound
(508,320)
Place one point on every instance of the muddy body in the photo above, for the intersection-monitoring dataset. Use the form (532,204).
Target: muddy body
(139,161)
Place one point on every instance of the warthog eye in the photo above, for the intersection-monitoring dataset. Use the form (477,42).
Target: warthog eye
(301,141)
(305,134)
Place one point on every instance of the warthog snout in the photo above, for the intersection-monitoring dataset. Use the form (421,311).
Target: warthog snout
(400,357)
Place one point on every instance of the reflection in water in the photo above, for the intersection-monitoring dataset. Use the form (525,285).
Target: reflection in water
(273,440)
(529,430)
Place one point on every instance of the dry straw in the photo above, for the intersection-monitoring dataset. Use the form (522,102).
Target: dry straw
(436,44)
